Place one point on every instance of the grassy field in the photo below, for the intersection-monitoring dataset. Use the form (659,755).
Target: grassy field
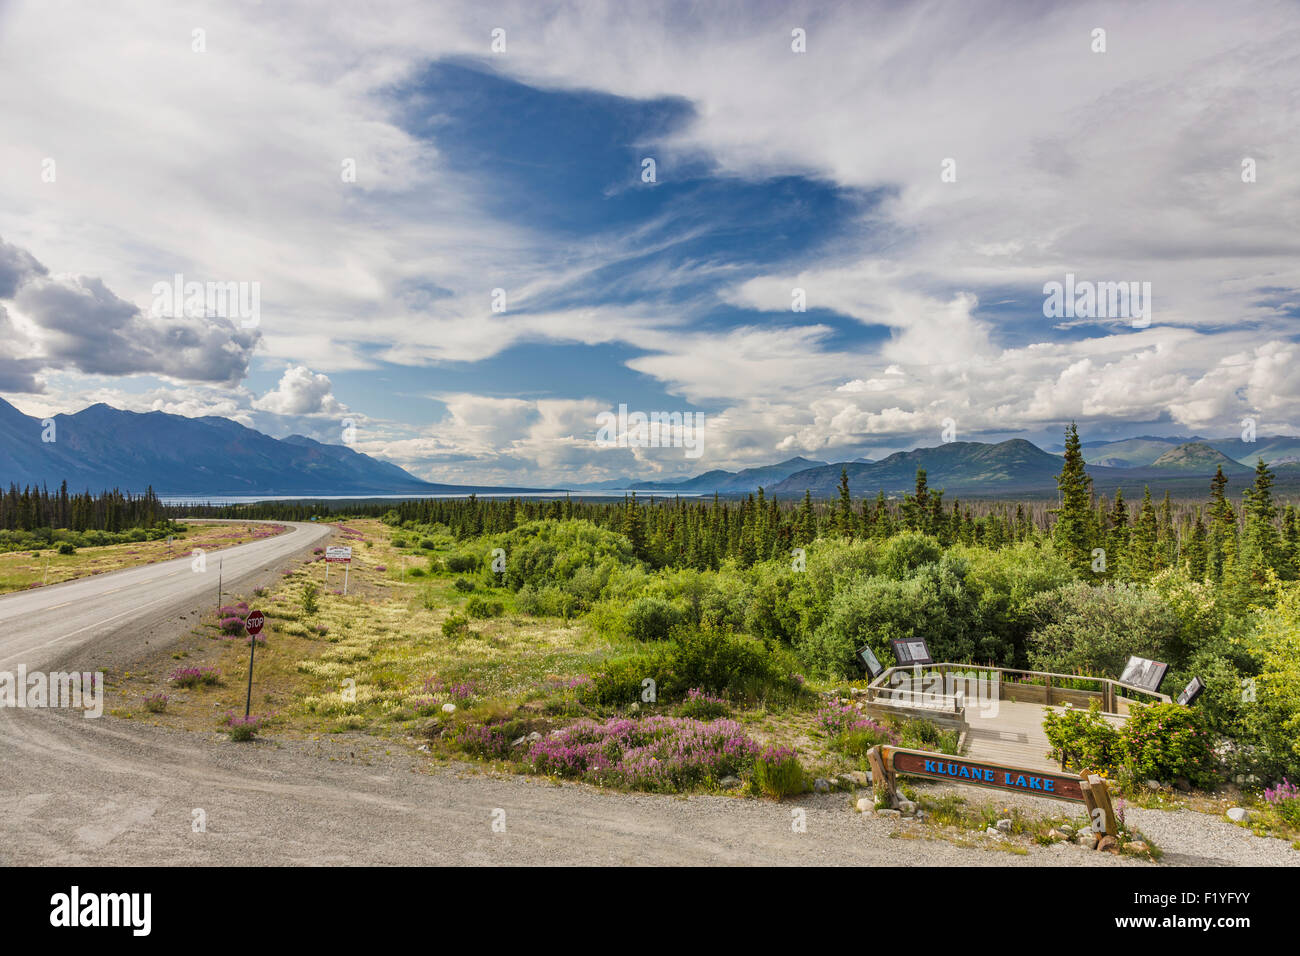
(27,569)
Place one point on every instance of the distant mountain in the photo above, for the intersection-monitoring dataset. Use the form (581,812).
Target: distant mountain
(958,466)
(1144,451)
(722,482)
(103,447)
(1199,458)
(1018,468)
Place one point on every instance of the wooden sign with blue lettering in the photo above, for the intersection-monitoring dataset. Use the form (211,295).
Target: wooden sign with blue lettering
(981,773)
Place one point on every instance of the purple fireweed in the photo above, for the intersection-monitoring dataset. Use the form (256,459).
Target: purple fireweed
(657,753)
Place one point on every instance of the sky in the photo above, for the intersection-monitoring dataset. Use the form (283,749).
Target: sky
(469,229)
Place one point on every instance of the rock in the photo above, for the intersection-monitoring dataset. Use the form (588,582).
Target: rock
(1004,825)
(866,804)
(1239,815)
(1135,848)
(1107,842)
(1055,834)
(534,736)
(519,742)
(449,708)
(995,833)
(907,808)
(1154,785)
(1067,830)
(729,781)
(858,777)
(821,785)
(1183,784)
(892,814)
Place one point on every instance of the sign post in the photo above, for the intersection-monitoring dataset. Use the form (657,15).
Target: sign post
(1088,789)
(253,625)
(341,555)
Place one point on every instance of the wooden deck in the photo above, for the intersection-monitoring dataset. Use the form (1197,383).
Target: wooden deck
(1013,736)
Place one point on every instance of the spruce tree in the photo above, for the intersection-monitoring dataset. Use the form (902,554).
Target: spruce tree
(1072,532)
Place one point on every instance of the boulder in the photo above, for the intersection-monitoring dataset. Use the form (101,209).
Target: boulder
(729,781)
(821,785)
(1004,825)
(907,808)
(1239,815)
(892,814)
(866,804)
(1135,848)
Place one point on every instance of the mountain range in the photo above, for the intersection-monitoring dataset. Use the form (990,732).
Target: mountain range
(103,447)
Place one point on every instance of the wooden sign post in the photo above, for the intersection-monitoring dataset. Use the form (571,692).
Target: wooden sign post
(1091,791)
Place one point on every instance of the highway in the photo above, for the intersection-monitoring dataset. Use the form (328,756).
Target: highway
(42,625)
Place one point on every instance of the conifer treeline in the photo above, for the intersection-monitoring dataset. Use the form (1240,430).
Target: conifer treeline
(1107,538)
(34,508)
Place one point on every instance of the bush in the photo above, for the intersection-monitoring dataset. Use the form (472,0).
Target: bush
(462,562)
(720,662)
(427,544)
(1082,740)
(243,728)
(1285,799)
(309,603)
(650,619)
(856,741)
(67,548)
(194,676)
(1166,741)
(920,734)
(778,773)
(463,585)
(156,703)
(701,706)
(457,625)
(483,608)
(1093,629)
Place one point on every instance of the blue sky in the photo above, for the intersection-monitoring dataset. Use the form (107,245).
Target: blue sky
(225,157)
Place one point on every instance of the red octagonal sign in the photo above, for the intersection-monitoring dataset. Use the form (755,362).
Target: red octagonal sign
(254,622)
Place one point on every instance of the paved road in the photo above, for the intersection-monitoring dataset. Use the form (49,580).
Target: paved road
(121,792)
(44,625)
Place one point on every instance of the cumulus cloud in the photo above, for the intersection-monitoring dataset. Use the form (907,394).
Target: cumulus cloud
(301,392)
(77,322)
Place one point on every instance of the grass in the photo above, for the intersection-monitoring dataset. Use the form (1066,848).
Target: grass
(20,570)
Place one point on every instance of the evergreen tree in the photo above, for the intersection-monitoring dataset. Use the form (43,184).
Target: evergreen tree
(1072,532)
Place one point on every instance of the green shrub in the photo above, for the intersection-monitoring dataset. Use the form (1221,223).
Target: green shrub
(778,773)
(308,600)
(67,548)
(1166,741)
(483,607)
(856,743)
(1082,740)
(457,625)
(650,619)
(463,584)
(720,662)
(920,734)
(427,544)
(462,562)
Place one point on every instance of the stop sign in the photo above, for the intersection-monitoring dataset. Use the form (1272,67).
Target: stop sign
(254,622)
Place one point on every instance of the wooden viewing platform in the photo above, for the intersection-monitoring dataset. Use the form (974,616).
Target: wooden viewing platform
(998,711)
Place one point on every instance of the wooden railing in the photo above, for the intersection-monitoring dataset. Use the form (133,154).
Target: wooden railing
(1041,687)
